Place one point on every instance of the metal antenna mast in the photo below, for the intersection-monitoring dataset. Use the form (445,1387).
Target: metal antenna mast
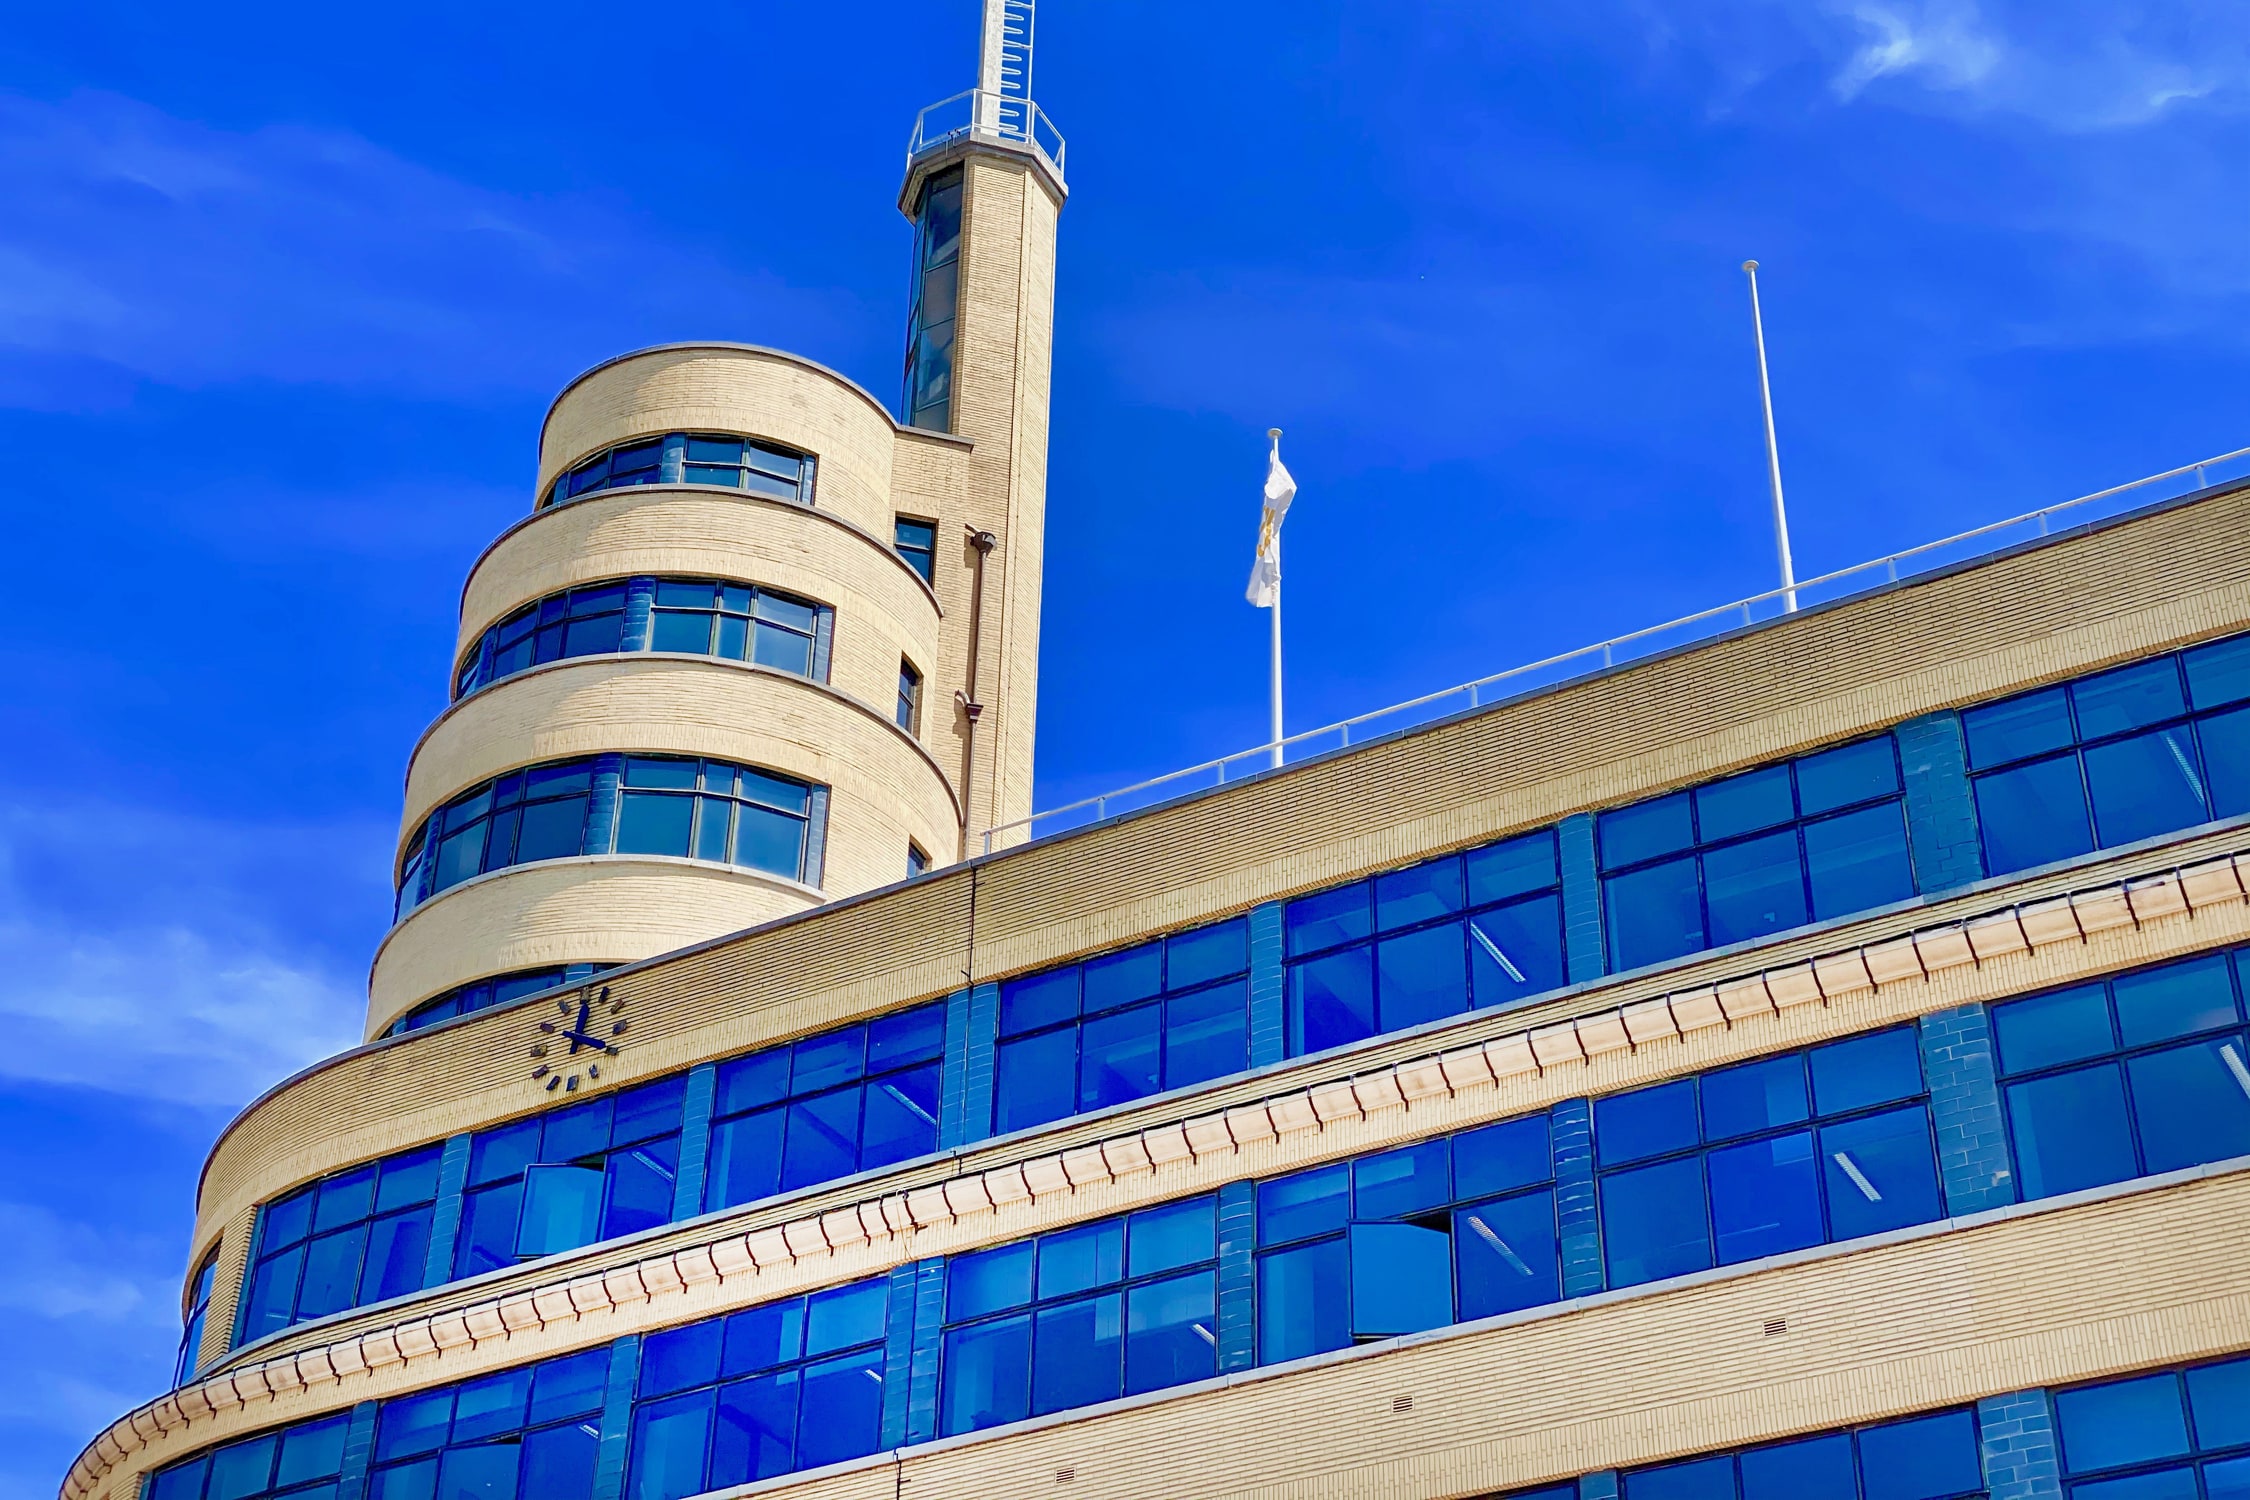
(1004,60)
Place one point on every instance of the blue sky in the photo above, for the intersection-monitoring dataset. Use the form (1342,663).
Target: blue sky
(285,290)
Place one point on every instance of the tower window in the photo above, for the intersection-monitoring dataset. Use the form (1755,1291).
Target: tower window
(917,863)
(695,616)
(928,397)
(909,697)
(191,1335)
(916,541)
(723,460)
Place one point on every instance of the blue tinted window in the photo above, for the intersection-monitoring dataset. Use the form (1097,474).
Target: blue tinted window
(2146,1072)
(1467,931)
(1646,1122)
(2030,725)
(481,994)
(2032,815)
(533,1430)
(2219,674)
(1922,1458)
(916,542)
(1120,1305)
(2122,1422)
(355,1237)
(1158,1016)
(724,460)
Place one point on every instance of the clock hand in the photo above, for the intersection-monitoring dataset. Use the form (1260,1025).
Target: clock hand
(595,1042)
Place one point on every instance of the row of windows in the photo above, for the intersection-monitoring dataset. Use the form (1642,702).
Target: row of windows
(634,804)
(496,989)
(357,1237)
(927,398)
(724,460)
(692,616)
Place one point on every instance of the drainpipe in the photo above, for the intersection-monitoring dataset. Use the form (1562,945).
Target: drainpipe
(983,542)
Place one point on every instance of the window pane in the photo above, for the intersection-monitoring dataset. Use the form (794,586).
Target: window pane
(1180,1234)
(1629,835)
(1119,1057)
(987,1375)
(1306,1203)
(1499,1157)
(2033,815)
(640,1187)
(745,1163)
(2227,1481)
(1212,953)
(1653,914)
(412,1424)
(562,1209)
(2220,672)
(2192,1104)
(2175,1000)
(757,1429)
(843,1410)
(823,1061)
(1206,1035)
(1081,1259)
(1697,1479)
(846,1315)
(1331,917)
(1754,887)
(2070,1131)
(1765,1198)
(1858,861)
(2048,1029)
(488,1230)
(312,1452)
(1743,804)
(241,1469)
(1076,1354)
(2226,760)
(822,1143)
(1042,1000)
(2171,1484)
(2022,726)
(1653,1223)
(1645,1122)
(1504,1256)
(654,823)
(2123,1422)
(1394,1184)
(1038,1080)
(397,1248)
(1421,977)
(2145,786)
(1922,1458)
(1171,1332)
(1515,868)
(1880,1173)
(1816,1469)
(669,1438)
(988,1281)
(916,1035)
(901,1120)
(492,1405)
(1303,1295)
(1847,774)
(1754,1096)
(783,650)
(2128,698)
(331,1272)
(769,841)
(1331,1001)
(1873,1069)
(2219,1395)
(1426,892)
(1516,952)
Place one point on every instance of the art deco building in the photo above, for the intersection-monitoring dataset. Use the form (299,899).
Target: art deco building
(1809,1062)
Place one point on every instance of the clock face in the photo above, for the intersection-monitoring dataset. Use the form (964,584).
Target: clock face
(572,1043)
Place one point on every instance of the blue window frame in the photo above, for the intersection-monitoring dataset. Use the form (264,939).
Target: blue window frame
(1159,1016)
(1929,1457)
(571,1177)
(726,461)
(349,1239)
(2173,1435)
(844,1101)
(305,1460)
(191,1328)
(531,1433)
(1085,1314)
(1813,838)
(2126,754)
(690,616)
(916,541)
(538,813)
(1478,929)
(483,994)
(665,804)
(770,1390)
(2145,1072)
(927,399)
(1765,1157)
(1439,1232)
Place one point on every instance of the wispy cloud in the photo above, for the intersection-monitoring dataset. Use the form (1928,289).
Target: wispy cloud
(189,255)
(1942,42)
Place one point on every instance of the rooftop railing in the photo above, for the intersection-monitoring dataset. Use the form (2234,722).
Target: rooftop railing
(1586,661)
(1007,118)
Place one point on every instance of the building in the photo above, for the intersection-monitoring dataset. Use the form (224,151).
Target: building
(1807,1063)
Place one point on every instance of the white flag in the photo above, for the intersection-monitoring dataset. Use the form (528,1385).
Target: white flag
(1265,574)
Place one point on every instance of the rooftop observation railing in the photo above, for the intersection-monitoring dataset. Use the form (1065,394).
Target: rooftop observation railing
(1007,118)
(1705,625)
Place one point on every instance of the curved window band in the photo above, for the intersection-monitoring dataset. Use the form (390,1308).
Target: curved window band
(691,616)
(676,805)
(493,989)
(722,460)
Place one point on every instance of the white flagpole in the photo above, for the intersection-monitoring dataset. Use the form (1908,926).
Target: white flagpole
(1773,448)
(1275,434)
